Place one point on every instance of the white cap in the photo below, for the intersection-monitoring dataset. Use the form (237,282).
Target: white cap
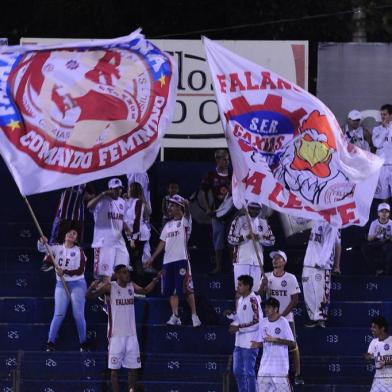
(355,115)
(115,183)
(383,206)
(278,253)
(177,199)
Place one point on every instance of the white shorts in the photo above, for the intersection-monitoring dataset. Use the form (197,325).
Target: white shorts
(105,259)
(124,352)
(273,384)
(247,269)
(384,185)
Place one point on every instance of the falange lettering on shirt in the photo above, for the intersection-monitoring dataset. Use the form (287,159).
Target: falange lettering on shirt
(115,216)
(124,301)
(173,233)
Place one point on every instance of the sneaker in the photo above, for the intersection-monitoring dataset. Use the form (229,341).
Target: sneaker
(174,320)
(379,272)
(311,324)
(50,346)
(298,380)
(84,347)
(195,320)
(46,267)
(321,323)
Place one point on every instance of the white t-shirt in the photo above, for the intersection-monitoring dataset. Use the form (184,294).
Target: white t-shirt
(247,318)
(244,250)
(383,351)
(136,221)
(72,260)
(382,231)
(382,140)
(121,310)
(275,359)
(109,222)
(282,288)
(321,246)
(176,234)
(356,137)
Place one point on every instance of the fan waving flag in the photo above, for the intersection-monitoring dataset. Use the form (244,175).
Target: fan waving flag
(77,112)
(286,146)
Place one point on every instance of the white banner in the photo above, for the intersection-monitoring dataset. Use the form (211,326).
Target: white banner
(196,122)
(77,112)
(286,146)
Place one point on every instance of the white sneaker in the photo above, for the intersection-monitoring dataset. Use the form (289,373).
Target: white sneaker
(195,320)
(174,320)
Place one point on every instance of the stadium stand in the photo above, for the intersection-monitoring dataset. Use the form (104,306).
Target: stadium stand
(174,358)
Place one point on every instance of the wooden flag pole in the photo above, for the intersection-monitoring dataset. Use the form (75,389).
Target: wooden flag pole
(252,234)
(37,225)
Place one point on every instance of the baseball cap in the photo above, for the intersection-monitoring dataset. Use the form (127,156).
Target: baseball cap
(177,199)
(114,183)
(383,206)
(253,204)
(278,253)
(355,115)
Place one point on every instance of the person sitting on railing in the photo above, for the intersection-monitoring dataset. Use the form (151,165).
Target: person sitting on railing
(71,262)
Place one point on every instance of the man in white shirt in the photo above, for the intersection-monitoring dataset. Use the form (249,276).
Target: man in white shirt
(316,274)
(108,243)
(240,236)
(123,344)
(246,329)
(284,287)
(380,351)
(378,249)
(276,338)
(382,140)
(354,133)
(177,276)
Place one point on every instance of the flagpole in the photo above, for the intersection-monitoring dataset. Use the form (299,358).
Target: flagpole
(252,235)
(48,249)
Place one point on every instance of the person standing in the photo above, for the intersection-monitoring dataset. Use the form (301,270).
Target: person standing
(123,343)
(380,350)
(382,141)
(137,216)
(70,213)
(378,248)
(354,132)
(108,243)
(276,338)
(316,273)
(284,287)
(218,182)
(71,262)
(240,236)
(245,325)
(177,277)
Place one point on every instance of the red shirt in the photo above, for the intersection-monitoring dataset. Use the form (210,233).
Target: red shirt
(219,184)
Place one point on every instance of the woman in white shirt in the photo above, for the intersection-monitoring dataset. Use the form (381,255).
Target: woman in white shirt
(71,262)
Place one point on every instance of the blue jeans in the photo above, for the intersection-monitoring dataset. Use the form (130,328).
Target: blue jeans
(218,233)
(244,362)
(78,290)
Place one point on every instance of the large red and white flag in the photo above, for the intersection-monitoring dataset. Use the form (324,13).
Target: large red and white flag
(77,112)
(286,146)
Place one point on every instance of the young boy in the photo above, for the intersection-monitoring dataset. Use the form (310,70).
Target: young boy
(172,189)
(276,338)
(378,249)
